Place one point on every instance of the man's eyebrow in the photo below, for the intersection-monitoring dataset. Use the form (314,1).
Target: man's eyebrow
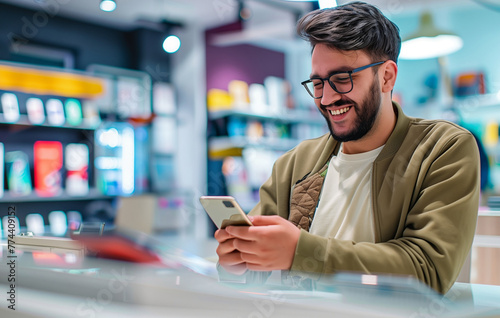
(342,69)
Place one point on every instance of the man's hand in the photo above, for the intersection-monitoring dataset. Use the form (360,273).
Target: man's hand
(268,245)
(229,257)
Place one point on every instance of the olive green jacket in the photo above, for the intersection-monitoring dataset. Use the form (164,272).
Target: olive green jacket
(425,195)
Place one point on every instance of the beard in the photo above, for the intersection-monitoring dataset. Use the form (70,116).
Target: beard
(366,114)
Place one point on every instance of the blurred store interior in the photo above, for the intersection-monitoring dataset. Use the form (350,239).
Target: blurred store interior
(103,121)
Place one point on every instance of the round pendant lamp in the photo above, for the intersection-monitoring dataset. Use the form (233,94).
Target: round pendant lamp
(429,41)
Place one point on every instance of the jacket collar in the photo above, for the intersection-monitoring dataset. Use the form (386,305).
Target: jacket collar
(398,134)
(391,146)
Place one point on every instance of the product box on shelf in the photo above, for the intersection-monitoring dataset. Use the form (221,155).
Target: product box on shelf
(10,107)
(258,98)
(1,170)
(73,110)
(55,112)
(48,160)
(239,93)
(76,162)
(18,173)
(34,108)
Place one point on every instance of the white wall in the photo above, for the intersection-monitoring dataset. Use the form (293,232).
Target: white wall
(479,28)
(188,76)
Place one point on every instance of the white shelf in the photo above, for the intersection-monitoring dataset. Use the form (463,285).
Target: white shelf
(291,116)
(489,212)
(280,144)
(93,194)
(486,241)
(481,101)
(24,121)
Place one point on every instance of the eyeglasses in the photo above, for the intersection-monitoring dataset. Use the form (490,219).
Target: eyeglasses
(341,82)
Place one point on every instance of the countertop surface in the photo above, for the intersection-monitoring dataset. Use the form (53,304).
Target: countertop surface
(185,284)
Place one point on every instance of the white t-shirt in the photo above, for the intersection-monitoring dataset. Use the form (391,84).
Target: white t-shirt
(345,209)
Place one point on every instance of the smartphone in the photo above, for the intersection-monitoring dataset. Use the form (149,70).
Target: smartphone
(224,211)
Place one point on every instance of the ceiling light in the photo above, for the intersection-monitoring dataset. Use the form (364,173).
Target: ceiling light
(108,5)
(171,44)
(327,4)
(244,12)
(429,42)
(322,4)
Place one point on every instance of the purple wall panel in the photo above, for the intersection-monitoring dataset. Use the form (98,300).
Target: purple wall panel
(247,63)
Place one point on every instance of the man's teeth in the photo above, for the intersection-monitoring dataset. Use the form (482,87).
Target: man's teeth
(339,111)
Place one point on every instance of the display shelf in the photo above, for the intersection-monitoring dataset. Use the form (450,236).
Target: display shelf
(480,108)
(291,116)
(248,142)
(485,100)
(487,211)
(278,144)
(42,80)
(94,194)
(27,126)
(24,121)
(220,146)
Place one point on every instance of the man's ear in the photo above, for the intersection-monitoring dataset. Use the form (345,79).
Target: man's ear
(390,72)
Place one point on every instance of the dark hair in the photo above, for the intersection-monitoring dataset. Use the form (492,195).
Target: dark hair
(353,26)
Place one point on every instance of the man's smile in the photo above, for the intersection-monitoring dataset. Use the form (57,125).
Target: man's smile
(340,111)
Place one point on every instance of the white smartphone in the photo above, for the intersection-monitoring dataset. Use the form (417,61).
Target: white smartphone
(224,211)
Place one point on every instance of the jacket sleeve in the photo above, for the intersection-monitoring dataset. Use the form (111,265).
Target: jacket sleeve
(436,233)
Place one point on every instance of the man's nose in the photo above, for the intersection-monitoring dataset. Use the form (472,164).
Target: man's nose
(330,96)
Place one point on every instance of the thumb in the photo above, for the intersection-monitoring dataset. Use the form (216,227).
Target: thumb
(260,220)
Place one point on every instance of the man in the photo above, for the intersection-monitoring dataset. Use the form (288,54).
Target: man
(382,193)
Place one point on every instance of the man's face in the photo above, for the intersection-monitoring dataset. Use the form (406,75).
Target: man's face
(349,116)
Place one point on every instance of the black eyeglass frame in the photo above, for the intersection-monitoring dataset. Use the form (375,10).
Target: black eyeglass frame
(332,85)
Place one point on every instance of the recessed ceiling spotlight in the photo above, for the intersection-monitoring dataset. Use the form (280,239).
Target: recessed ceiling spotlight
(171,44)
(108,5)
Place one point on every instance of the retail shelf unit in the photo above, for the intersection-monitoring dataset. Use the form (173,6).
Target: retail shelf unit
(243,146)
(22,127)
(285,132)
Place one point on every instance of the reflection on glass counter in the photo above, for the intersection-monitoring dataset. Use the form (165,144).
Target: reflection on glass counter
(186,284)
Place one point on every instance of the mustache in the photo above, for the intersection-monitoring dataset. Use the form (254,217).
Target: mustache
(340,102)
